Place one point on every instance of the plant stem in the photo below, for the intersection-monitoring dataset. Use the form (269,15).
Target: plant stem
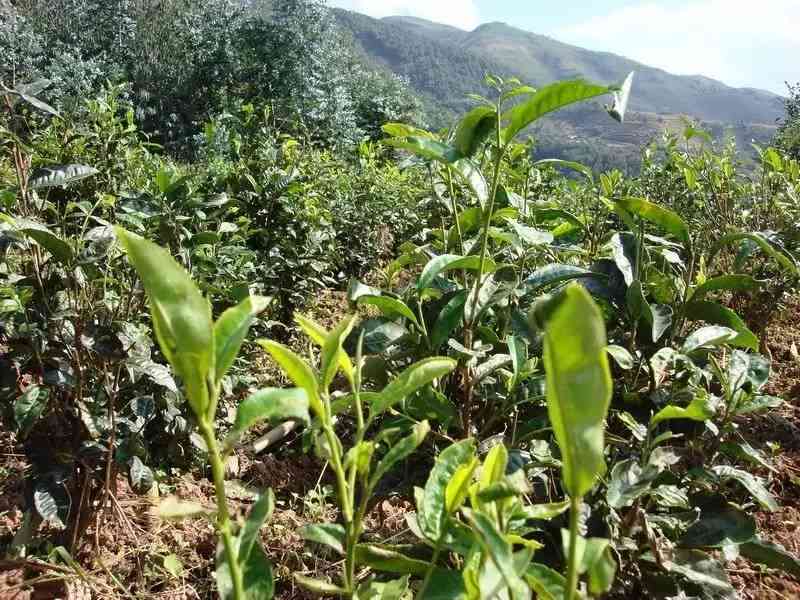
(572,566)
(223,517)
(429,573)
(466,417)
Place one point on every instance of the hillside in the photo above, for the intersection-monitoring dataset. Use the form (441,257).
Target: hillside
(443,64)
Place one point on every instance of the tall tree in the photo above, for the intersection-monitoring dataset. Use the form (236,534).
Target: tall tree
(788,135)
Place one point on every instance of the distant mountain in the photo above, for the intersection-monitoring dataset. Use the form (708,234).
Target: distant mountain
(443,64)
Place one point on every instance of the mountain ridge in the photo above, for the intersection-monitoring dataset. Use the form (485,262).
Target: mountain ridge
(443,64)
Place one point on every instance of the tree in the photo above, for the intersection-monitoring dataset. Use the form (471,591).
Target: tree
(788,136)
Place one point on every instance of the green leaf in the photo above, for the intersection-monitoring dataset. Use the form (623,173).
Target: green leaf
(546,100)
(471,175)
(519,354)
(759,239)
(712,335)
(449,318)
(332,535)
(319,586)
(545,512)
(499,549)
(759,403)
(297,370)
(447,262)
(621,356)
(230,330)
(140,476)
(771,555)
(35,102)
(716,314)
(748,372)
(410,380)
(332,349)
(59,175)
(51,502)
(473,129)
(479,303)
(318,334)
(381,334)
(552,274)
(621,96)
(432,514)
(566,164)
(739,283)
(629,481)
(552,214)
(701,408)
(404,130)
(530,236)
(425,147)
(400,451)
(637,304)
(598,561)
(259,514)
(40,234)
(270,404)
(578,386)
(181,316)
(750,482)
(638,430)
(702,570)
(29,407)
(718,528)
(389,306)
(385,558)
(445,585)
(744,451)
(547,583)
(662,320)
(494,466)
(256,573)
(657,215)
(458,487)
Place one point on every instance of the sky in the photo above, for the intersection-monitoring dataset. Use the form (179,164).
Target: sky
(744,43)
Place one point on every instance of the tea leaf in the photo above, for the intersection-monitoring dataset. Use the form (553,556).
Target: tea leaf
(410,380)
(231,329)
(297,370)
(716,314)
(332,535)
(432,511)
(578,386)
(59,175)
(181,316)
(548,99)
(701,408)
(657,215)
(473,129)
(718,528)
(259,514)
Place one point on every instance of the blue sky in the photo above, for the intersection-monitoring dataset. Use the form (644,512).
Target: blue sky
(741,42)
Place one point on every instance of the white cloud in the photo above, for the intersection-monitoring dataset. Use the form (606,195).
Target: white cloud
(741,42)
(458,13)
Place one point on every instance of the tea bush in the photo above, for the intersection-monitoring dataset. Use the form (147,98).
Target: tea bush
(567,352)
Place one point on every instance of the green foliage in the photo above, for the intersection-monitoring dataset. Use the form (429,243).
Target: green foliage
(188,338)
(477,355)
(787,137)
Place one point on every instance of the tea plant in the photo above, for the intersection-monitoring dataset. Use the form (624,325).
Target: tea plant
(201,351)
(357,470)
